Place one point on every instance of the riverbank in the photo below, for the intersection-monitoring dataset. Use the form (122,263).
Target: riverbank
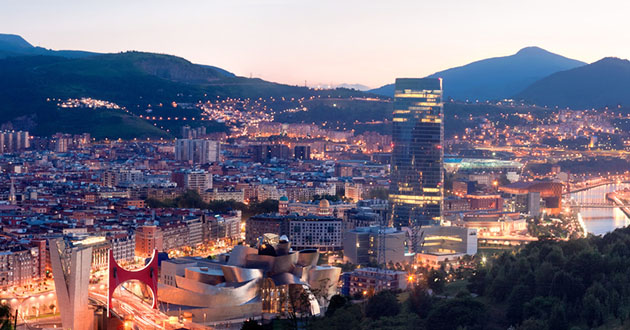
(599,221)
(620,198)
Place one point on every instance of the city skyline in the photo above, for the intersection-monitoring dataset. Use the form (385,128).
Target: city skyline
(288,42)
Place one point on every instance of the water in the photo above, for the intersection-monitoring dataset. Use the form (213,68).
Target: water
(601,221)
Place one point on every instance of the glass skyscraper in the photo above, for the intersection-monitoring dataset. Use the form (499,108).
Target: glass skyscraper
(416,188)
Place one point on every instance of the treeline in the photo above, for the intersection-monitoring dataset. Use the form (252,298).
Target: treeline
(419,310)
(577,284)
(192,199)
(546,285)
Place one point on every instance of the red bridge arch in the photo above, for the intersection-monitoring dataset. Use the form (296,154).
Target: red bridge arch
(118,275)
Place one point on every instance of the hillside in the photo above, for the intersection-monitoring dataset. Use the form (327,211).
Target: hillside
(15,45)
(602,83)
(497,78)
(32,76)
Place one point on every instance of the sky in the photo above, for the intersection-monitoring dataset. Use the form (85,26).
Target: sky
(326,42)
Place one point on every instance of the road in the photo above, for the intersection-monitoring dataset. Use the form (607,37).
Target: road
(138,314)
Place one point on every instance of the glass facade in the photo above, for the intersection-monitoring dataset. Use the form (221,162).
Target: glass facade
(416,188)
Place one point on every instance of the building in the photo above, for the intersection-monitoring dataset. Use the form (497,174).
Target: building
(148,239)
(247,283)
(365,281)
(122,178)
(227,193)
(323,233)
(449,240)
(302,152)
(197,180)
(550,193)
(443,245)
(71,272)
(353,191)
(321,207)
(221,226)
(197,151)
(361,245)
(362,216)
(193,133)
(12,141)
(267,152)
(416,189)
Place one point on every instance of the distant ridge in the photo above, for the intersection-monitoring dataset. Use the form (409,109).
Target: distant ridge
(15,45)
(499,77)
(31,78)
(602,83)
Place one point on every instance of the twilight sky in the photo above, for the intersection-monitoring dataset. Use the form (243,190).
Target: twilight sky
(323,42)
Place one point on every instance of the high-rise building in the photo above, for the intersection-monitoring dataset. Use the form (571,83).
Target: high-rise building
(12,141)
(197,151)
(416,188)
(193,133)
(302,152)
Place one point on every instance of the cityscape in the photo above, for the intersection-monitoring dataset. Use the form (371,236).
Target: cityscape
(140,190)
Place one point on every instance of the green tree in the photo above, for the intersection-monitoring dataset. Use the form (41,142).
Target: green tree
(336,302)
(436,280)
(593,310)
(384,303)
(457,313)
(519,296)
(558,317)
(420,301)
(6,317)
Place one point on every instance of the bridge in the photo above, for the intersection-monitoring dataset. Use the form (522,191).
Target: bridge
(599,205)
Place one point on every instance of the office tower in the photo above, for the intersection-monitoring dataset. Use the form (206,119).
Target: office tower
(416,188)
(198,151)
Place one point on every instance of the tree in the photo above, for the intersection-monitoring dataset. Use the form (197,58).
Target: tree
(298,303)
(558,318)
(251,324)
(384,303)
(592,310)
(519,296)
(457,313)
(420,301)
(436,280)
(336,302)
(6,318)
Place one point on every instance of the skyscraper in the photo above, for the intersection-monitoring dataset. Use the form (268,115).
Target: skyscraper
(416,188)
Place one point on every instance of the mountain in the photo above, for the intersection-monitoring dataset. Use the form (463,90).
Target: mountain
(499,77)
(358,87)
(602,83)
(31,85)
(15,45)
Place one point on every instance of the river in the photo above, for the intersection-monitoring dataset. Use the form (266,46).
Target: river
(601,221)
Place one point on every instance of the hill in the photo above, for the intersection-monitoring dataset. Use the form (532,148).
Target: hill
(499,77)
(134,80)
(602,83)
(15,45)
